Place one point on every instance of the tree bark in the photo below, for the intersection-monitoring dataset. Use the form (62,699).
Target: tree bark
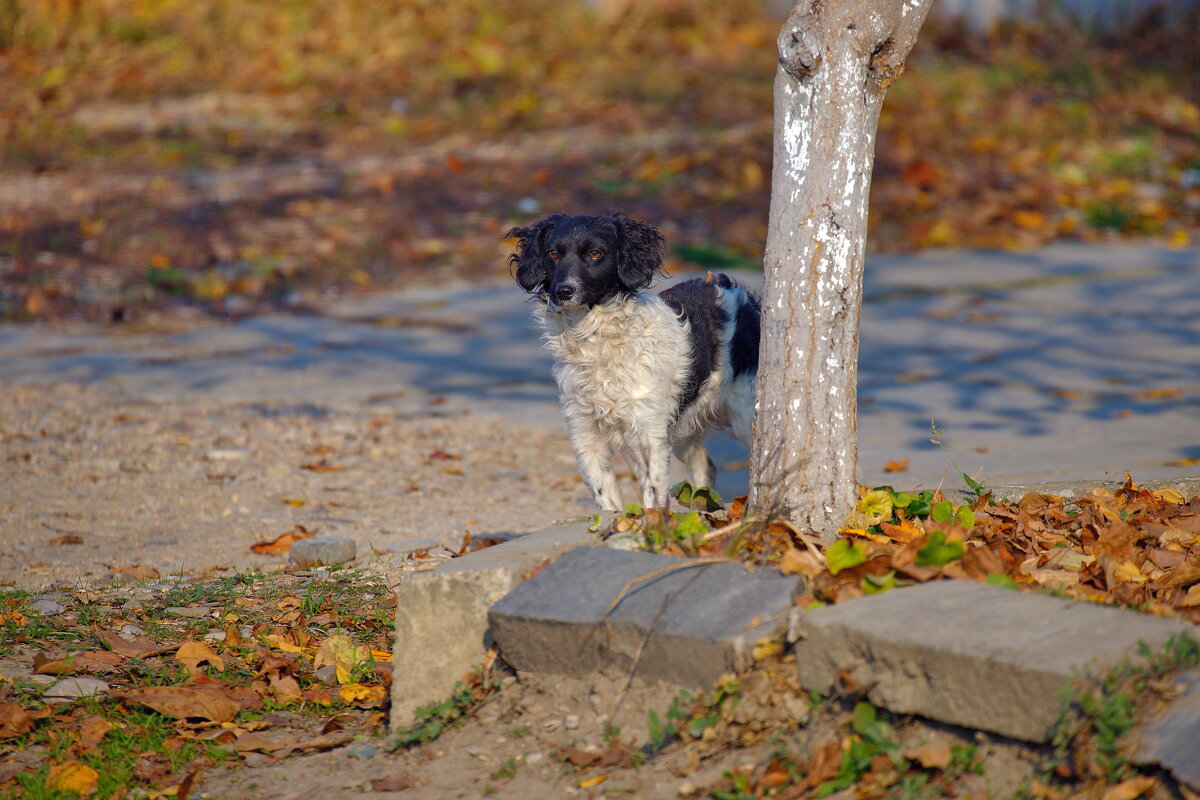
(837,59)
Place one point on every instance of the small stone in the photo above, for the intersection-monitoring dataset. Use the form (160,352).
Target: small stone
(226,454)
(71,688)
(571,722)
(361,750)
(477,752)
(215,636)
(130,632)
(534,758)
(326,674)
(190,612)
(47,607)
(323,550)
(42,680)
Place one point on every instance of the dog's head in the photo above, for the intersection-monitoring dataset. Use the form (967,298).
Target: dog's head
(574,262)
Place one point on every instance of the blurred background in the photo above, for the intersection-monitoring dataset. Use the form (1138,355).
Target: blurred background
(230,156)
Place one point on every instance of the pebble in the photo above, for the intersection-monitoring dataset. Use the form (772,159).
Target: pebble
(71,688)
(215,636)
(323,550)
(571,722)
(361,751)
(191,612)
(226,454)
(42,680)
(534,758)
(130,632)
(47,607)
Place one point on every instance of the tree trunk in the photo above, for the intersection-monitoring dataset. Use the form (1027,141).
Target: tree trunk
(836,60)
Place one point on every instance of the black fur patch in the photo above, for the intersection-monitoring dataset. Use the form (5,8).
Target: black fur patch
(699,302)
(743,347)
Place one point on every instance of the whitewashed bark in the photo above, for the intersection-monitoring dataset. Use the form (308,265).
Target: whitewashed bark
(836,61)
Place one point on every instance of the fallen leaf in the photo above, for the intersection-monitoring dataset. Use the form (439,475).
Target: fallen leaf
(362,695)
(249,741)
(935,755)
(285,689)
(1129,789)
(800,562)
(899,465)
(138,572)
(184,702)
(321,466)
(14,721)
(193,654)
(91,661)
(281,543)
(91,731)
(140,647)
(1185,574)
(341,652)
(72,777)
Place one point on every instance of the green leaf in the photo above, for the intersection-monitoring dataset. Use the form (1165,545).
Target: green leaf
(683,492)
(844,554)
(874,584)
(863,718)
(699,725)
(633,508)
(938,552)
(942,512)
(964,517)
(690,526)
(712,500)
(997,579)
(975,485)
(902,499)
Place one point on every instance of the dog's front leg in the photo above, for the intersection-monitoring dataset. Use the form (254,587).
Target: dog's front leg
(650,458)
(594,457)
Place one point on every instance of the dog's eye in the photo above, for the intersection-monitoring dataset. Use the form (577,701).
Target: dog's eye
(594,254)
(552,255)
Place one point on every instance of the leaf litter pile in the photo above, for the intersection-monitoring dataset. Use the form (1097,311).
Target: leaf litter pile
(1129,547)
(104,693)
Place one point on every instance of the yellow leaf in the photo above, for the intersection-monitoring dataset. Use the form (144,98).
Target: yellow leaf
(765,648)
(1192,598)
(874,507)
(1128,572)
(1170,496)
(294,502)
(590,782)
(343,653)
(72,777)
(279,643)
(343,672)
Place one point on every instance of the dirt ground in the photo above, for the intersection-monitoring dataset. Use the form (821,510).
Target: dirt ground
(96,482)
(519,746)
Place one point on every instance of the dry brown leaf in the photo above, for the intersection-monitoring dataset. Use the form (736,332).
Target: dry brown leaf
(137,572)
(208,701)
(800,562)
(258,741)
(285,689)
(193,654)
(1185,574)
(91,731)
(140,647)
(935,755)
(91,661)
(14,721)
(1132,788)
(899,465)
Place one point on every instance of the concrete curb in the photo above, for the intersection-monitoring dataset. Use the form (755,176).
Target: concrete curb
(971,654)
(441,615)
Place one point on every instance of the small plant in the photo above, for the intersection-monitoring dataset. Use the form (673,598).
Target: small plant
(433,720)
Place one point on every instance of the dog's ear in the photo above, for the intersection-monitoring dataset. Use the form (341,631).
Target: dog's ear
(639,258)
(528,259)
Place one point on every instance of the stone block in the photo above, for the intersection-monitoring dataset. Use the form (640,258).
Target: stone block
(1173,739)
(322,550)
(970,654)
(441,615)
(671,620)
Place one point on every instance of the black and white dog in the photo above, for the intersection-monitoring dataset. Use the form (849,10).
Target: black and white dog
(639,373)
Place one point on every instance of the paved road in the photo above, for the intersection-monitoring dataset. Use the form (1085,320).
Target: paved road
(1071,362)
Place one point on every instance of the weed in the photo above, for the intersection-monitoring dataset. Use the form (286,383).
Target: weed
(433,720)
(506,770)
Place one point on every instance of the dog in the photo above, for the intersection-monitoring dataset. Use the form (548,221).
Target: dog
(639,374)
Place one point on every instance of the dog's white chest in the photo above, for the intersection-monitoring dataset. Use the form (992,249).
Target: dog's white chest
(610,364)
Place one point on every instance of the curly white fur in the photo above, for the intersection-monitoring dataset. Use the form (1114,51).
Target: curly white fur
(621,367)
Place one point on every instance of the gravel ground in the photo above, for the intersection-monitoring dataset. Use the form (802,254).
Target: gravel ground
(95,481)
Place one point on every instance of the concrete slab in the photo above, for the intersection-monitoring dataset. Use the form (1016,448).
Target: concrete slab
(1173,740)
(678,621)
(970,654)
(441,615)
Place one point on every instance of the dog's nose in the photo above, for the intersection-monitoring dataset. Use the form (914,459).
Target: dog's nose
(563,292)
